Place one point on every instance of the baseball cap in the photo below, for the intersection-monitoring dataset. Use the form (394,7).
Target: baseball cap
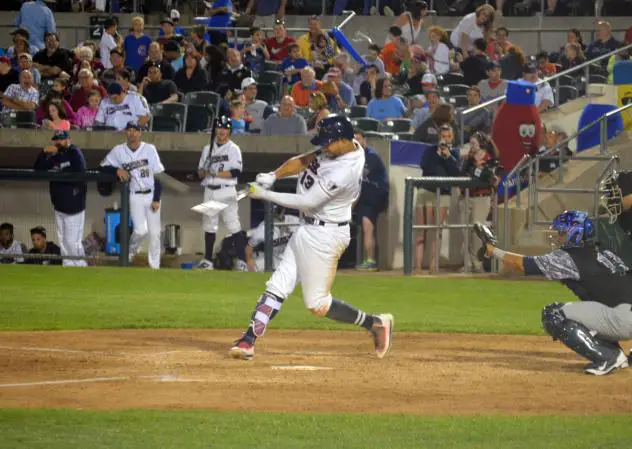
(246,82)
(530,68)
(174,14)
(429,79)
(491,65)
(132,125)
(171,46)
(5,60)
(115,89)
(167,20)
(60,135)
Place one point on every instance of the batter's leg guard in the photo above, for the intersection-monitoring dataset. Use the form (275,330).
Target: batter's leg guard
(267,308)
(209,242)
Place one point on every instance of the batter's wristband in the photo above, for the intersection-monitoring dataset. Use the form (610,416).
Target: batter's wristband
(498,253)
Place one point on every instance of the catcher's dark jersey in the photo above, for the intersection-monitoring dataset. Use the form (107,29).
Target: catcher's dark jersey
(624,180)
(593,276)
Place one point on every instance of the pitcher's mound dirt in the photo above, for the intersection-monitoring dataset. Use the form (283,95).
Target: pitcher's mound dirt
(307,371)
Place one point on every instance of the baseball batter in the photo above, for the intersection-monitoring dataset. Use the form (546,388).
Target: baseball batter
(328,185)
(281,235)
(137,162)
(219,172)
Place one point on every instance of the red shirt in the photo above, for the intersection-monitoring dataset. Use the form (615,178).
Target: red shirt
(278,51)
(80,96)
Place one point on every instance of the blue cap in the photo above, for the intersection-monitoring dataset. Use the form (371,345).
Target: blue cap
(115,89)
(60,135)
(132,125)
(331,129)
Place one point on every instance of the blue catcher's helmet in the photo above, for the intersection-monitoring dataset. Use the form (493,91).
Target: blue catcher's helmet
(331,129)
(571,228)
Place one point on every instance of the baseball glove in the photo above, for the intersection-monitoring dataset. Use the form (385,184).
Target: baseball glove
(487,236)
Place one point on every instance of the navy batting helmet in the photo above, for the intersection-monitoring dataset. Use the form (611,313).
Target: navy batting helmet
(223,121)
(331,129)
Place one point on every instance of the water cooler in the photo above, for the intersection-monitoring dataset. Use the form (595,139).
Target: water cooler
(112,231)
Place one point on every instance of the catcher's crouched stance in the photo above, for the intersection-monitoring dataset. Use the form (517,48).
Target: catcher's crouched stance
(329,183)
(600,279)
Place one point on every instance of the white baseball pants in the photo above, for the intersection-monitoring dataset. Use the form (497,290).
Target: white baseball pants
(146,224)
(70,235)
(230,215)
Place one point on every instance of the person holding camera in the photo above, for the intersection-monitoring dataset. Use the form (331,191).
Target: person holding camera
(481,163)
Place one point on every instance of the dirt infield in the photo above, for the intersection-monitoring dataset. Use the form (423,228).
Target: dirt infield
(302,371)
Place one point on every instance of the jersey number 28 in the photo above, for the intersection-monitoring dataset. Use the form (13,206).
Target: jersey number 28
(144,173)
(307,180)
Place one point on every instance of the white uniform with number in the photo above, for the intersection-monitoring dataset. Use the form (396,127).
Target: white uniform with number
(224,158)
(142,165)
(119,115)
(312,254)
(280,238)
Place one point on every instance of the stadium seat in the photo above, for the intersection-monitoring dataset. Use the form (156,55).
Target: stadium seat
(567,93)
(203,98)
(199,118)
(449,90)
(357,111)
(450,78)
(306,113)
(271,66)
(377,135)
(399,125)
(566,80)
(267,92)
(19,119)
(366,124)
(405,136)
(100,128)
(458,101)
(168,117)
(596,78)
(274,78)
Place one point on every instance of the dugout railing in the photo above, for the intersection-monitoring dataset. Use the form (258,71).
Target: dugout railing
(91,177)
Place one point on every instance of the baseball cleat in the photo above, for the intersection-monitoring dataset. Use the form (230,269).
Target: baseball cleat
(242,350)
(367,265)
(382,334)
(205,265)
(604,368)
(240,265)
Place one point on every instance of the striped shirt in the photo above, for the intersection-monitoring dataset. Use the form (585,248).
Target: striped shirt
(17,92)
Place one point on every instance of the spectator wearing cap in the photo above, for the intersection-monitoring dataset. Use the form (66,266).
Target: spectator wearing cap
(86,115)
(308,84)
(499,46)
(168,31)
(220,15)
(544,93)
(286,122)
(475,65)
(494,86)
(109,41)
(136,44)
(428,82)
(438,51)
(156,56)
(25,62)
(604,43)
(191,77)
(476,25)
(394,54)
(55,117)
(292,65)
(255,109)
(177,30)
(367,88)
(120,108)
(8,75)
(52,60)
(430,103)
(68,198)
(22,96)
(266,11)
(36,18)
(479,120)
(87,84)
(278,45)
(156,90)
(21,44)
(42,246)
(385,105)
(339,94)
(173,55)
(235,72)
(117,61)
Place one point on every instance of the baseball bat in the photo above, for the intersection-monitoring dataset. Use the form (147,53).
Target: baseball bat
(172,183)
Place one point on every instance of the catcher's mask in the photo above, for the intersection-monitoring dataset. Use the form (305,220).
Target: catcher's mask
(611,198)
(570,229)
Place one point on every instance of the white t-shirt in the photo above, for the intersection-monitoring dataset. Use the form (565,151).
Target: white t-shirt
(141,164)
(16,248)
(340,178)
(224,158)
(440,63)
(106,45)
(280,235)
(468,26)
(119,115)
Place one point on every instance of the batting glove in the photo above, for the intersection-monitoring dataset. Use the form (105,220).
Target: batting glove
(256,191)
(266,180)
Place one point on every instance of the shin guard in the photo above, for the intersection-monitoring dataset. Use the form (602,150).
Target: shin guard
(266,309)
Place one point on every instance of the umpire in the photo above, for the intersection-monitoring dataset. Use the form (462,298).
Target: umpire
(601,280)
(68,197)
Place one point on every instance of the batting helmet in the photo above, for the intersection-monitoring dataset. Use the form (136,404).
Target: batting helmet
(571,228)
(331,129)
(105,188)
(223,121)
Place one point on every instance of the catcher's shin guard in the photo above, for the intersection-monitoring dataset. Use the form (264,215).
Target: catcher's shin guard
(266,309)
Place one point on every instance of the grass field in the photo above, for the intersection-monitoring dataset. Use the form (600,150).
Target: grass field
(56,299)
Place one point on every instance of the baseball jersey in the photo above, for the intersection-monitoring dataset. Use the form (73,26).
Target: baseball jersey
(16,248)
(141,164)
(280,238)
(224,158)
(340,178)
(119,115)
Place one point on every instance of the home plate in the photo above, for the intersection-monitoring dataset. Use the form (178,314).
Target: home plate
(301,367)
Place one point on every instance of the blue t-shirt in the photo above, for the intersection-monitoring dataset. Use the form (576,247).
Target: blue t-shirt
(346,93)
(136,50)
(221,20)
(383,108)
(298,63)
(239,127)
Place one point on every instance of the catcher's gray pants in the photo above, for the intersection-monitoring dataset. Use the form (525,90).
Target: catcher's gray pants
(610,323)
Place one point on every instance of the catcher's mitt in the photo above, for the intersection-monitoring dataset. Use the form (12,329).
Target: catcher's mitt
(487,236)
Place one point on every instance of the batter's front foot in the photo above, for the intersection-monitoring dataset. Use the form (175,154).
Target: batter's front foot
(382,333)
(242,350)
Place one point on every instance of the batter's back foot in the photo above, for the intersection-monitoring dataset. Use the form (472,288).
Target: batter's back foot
(382,333)
(242,350)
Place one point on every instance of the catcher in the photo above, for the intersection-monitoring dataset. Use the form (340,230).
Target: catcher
(593,326)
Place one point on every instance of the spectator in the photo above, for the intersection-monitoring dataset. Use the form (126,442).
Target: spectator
(512,64)
(156,56)
(572,56)
(173,55)
(308,41)
(255,109)
(475,65)
(440,161)
(213,62)
(117,61)
(87,85)
(411,20)
(476,25)
(308,84)
(339,94)
(286,122)
(237,117)
(42,246)
(220,16)
(279,44)
(438,51)
(574,36)
(545,67)
(373,57)
(385,104)
(10,246)
(605,42)
(21,44)
(498,47)
(494,86)
(168,31)
(36,18)
(56,93)
(420,115)
(394,54)
(624,55)
(136,44)
(25,62)
(479,120)
(342,62)
(544,94)
(318,104)
(21,47)
(255,52)
(22,96)
(119,109)
(174,15)
(197,41)
(156,90)
(8,76)
(191,77)
(109,41)
(372,202)
(125,79)
(367,88)
(235,72)
(85,60)
(429,82)
(61,84)
(266,10)
(322,54)
(85,116)
(428,131)
(292,65)
(53,60)
(55,117)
